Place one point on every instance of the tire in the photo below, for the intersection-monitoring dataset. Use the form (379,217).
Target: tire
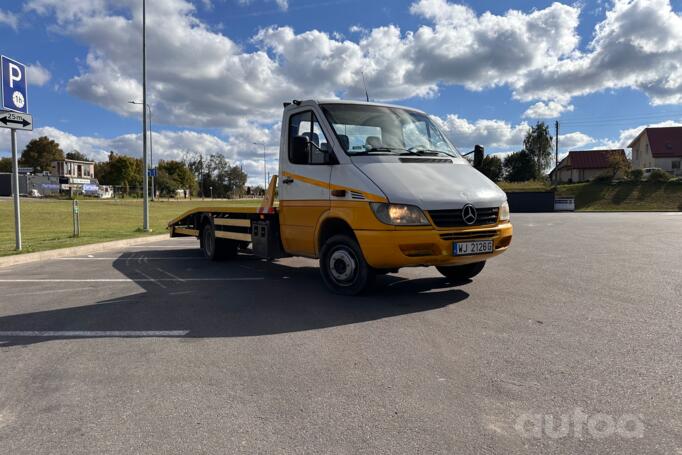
(343,266)
(216,249)
(460,273)
(208,242)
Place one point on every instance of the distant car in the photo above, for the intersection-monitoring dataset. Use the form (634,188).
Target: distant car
(34,193)
(648,170)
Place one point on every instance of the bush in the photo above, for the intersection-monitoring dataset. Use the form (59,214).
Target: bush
(659,175)
(635,175)
(603,178)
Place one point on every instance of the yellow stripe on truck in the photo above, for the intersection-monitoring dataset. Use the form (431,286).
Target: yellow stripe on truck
(329,186)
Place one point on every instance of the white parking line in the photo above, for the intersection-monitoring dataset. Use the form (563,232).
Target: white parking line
(138,258)
(153,280)
(51,291)
(170,274)
(121,280)
(95,333)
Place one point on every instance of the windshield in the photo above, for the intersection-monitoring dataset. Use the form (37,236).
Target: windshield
(364,129)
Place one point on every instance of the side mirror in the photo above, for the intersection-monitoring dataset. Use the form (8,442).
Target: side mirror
(300,150)
(479,154)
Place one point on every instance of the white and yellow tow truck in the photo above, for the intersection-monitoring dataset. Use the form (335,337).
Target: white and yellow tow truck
(366,188)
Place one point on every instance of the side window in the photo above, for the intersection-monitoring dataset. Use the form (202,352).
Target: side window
(306,124)
(318,154)
(298,125)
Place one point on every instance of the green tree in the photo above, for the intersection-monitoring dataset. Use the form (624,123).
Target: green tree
(225,179)
(76,155)
(235,181)
(538,144)
(120,170)
(491,167)
(173,176)
(40,153)
(618,164)
(5,164)
(519,167)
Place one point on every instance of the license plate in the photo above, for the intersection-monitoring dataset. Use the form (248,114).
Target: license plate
(469,248)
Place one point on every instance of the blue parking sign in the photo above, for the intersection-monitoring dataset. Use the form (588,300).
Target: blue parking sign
(14,86)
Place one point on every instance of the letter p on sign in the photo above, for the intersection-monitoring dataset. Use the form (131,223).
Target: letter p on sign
(14,86)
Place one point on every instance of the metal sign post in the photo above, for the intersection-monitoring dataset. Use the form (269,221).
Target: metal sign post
(15,190)
(15,98)
(76,219)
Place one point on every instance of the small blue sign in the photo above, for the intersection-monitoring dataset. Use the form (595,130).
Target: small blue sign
(14,86)
(151,172)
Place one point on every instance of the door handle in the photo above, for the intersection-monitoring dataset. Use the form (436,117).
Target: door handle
(287,180)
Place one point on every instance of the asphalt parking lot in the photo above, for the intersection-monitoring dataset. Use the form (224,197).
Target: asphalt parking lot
(155,350)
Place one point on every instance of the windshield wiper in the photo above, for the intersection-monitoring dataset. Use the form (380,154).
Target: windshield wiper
(422,152)
(376,150)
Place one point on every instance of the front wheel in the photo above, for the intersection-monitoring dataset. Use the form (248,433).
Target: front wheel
(461,272)
(343,267)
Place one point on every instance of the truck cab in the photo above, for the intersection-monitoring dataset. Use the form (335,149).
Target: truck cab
(369,188)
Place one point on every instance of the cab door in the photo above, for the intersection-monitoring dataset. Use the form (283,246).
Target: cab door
(304,192)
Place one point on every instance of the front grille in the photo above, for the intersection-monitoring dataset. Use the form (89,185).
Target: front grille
(453,218)
(469,235)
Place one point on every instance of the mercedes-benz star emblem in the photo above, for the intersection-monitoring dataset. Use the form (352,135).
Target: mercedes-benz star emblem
(469,214)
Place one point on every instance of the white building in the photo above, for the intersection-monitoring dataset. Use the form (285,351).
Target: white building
(658,147)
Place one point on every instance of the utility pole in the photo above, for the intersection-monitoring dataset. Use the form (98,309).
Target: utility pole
(145,175)
(556,166)
(151,142)
(151,150)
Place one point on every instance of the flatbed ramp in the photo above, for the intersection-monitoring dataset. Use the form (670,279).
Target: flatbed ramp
(223,230)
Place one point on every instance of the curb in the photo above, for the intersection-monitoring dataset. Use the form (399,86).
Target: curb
(77,250)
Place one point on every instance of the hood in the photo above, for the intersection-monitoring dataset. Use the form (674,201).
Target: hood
(431,185)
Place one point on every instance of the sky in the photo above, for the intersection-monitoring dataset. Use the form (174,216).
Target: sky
(219,70)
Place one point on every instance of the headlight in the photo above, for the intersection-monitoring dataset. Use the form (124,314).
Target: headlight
(504,212)
(399,215)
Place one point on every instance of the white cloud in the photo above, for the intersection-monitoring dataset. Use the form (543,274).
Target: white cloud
(10,19)
(199,77)
(37,75)
(575,139)
(638,45)
(170,145)
(282,4)
(488,133)
(488,50)
(551,109)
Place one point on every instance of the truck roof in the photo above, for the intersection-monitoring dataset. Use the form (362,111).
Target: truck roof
(312,102)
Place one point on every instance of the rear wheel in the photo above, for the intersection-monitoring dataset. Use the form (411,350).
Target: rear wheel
(461,272)
(214,248)
(343,267)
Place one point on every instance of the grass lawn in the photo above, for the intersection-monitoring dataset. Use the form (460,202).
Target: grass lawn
(611,196)
(624,196)
(48,224)
(533,185)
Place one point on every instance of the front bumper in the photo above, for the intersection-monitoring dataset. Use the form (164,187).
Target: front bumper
(425,247)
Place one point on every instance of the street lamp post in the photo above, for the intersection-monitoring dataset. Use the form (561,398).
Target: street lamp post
(145,175)
(265,172)
(151,143)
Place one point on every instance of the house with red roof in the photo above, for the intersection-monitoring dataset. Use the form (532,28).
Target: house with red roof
(658,147)
(583,166)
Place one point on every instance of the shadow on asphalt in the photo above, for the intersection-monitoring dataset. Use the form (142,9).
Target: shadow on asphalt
(261,298)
